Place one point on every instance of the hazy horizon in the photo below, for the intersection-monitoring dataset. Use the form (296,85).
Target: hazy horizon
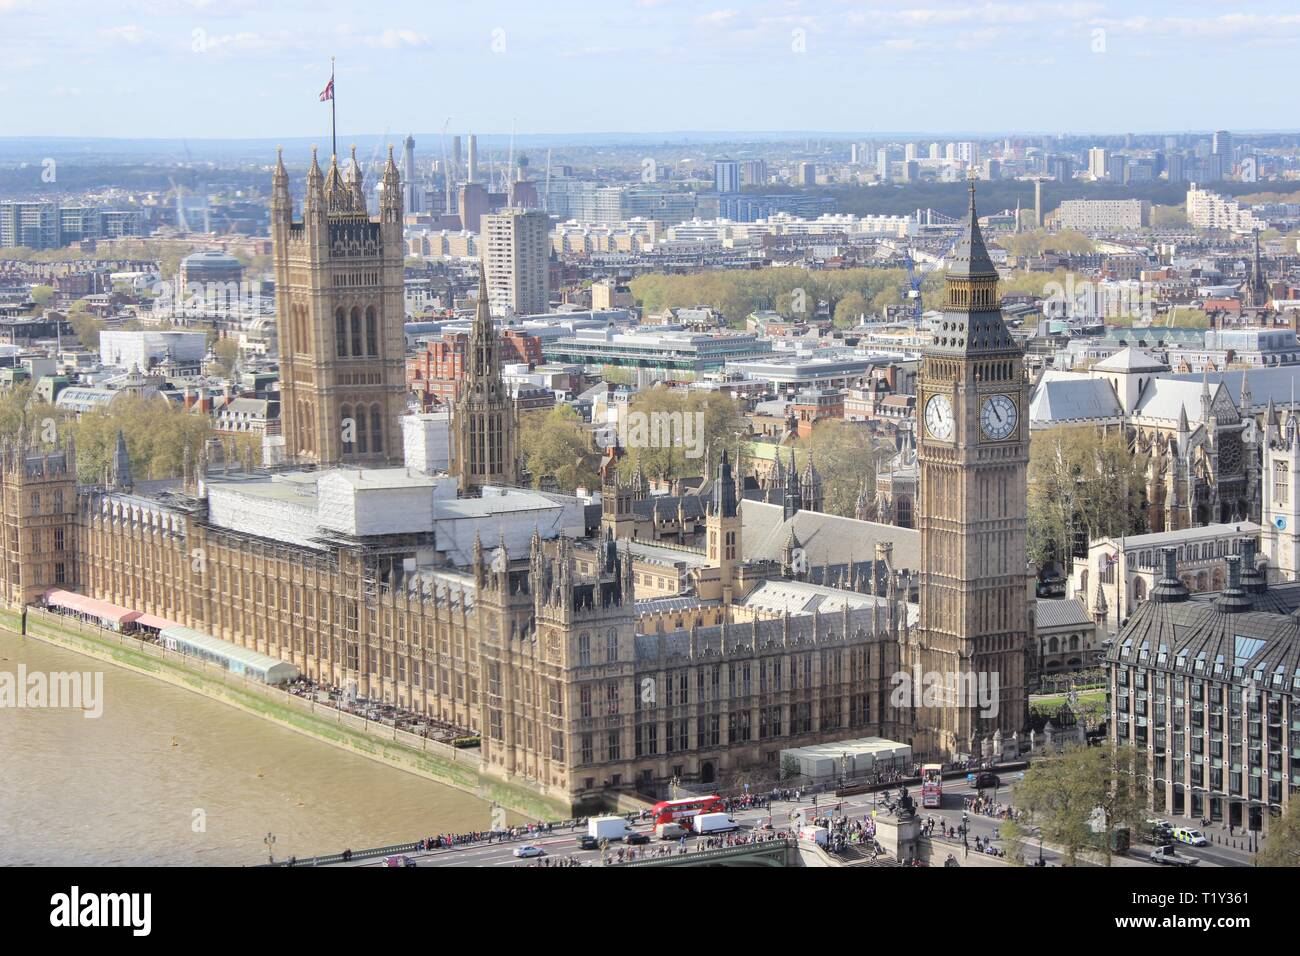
(202,70)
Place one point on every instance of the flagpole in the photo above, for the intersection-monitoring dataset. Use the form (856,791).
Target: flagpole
(334,138)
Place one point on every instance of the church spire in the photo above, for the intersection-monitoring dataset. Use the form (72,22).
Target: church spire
(484,357)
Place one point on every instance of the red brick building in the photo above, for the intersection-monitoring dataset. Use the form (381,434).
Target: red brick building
(435,375)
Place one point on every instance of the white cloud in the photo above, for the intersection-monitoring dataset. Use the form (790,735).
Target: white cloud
(716,18)
(128,33)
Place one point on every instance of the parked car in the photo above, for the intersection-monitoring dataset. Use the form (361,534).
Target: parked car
(1190,836)
(528,850)
(636,839)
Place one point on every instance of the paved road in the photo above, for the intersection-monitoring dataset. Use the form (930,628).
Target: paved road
(561,844)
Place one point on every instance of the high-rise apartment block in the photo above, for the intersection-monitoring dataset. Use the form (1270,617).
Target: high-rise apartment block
(516,255)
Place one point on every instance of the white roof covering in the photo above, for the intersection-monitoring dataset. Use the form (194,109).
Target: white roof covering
(239,658)
(800,597)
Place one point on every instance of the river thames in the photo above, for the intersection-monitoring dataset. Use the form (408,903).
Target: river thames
(168,777)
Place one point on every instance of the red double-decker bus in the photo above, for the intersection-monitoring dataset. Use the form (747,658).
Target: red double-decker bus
(685,810)
(932,785)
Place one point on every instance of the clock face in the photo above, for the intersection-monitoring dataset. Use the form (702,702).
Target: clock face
(938,417)
(998,417)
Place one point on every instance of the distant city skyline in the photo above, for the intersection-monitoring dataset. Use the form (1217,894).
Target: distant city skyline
(240,70)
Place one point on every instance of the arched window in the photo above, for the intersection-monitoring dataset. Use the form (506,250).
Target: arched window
(372,334)
(376,429)
(347,428)
(340,333)
(356,330)
(1053,646)
(361,430)
(1074,642)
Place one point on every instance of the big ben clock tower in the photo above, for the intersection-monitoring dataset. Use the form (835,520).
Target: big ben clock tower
(973,451)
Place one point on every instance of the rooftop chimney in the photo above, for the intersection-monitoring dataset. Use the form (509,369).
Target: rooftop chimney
(1233,600)
(1252,581)
(1169,588)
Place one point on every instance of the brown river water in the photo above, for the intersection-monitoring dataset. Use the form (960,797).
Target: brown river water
(168,777)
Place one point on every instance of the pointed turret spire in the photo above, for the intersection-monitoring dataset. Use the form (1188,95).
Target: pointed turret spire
(392,201)
(724,490)
(121,465)
(336,191)
(315,200)
(357,180)
(971,258)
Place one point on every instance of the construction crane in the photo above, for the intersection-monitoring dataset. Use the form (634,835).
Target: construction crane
(916,276)
(546,196)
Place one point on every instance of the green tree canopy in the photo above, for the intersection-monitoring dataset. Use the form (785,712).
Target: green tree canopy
(846,457)
(556,445)
(1082,480)
(1283,845)
(1080,797)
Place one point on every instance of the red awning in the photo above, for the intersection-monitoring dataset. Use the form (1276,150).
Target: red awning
(157,623)
(90,606)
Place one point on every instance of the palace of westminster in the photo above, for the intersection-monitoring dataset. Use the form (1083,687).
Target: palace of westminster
(528,617)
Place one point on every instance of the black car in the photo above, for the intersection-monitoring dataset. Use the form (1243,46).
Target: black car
(636,839)
(986,781)
(586,842)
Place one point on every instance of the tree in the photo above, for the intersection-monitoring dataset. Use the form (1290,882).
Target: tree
(715,423)
(156,431)
(227,353)
(850,310)
(15,406)
(1169,217)
(1079,798)
(86,327)
(555,445)
(845,457)
(1283,846)
(1015,839)
(42,295)
(1082,480)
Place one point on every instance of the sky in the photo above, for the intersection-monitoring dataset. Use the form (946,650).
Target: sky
(254,68)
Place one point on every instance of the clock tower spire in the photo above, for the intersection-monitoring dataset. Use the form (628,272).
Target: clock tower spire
(973,455)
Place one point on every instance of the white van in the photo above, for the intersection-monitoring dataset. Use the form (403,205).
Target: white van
(714,823)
